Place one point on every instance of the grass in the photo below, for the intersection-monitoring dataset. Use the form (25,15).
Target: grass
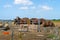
(52,36)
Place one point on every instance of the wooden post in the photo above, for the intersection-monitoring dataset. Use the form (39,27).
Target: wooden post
(28,22)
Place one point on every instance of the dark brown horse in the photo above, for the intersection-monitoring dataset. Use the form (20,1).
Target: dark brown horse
(17,20)
(46,23)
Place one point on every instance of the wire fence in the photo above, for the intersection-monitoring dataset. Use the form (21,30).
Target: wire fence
(30,33)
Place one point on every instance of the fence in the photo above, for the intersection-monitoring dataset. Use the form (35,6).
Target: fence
(46,33)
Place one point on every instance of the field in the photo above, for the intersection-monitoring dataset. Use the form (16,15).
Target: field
(57,23)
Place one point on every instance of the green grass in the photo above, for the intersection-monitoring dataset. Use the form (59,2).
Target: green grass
(52,36)
(55,20)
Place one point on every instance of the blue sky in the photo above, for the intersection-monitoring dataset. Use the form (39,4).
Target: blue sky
(48,9)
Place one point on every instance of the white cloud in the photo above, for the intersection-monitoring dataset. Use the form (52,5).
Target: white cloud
(46,7)
(7,6)
(24,2)
(24,8)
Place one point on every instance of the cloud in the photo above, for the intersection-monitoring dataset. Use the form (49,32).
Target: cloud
(46,7)
(27,7)
(24,2)
(7,6)
(24,8)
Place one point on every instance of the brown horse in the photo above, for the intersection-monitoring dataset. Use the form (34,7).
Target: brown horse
(49,23)
(46,23)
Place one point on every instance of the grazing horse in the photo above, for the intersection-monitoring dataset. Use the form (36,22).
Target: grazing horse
(46,23)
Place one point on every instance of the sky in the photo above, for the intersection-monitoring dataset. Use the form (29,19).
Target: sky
(48,9)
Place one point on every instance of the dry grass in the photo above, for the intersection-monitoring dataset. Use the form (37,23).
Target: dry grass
(57,23)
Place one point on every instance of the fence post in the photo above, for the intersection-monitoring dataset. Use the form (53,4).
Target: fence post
(12,34)
(38,29)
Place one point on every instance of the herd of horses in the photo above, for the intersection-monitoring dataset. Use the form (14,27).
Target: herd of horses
(43,22)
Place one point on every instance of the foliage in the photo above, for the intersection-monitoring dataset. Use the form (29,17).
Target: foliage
(55,19)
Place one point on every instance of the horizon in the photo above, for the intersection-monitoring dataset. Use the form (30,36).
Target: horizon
(30,18)
(47,9)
